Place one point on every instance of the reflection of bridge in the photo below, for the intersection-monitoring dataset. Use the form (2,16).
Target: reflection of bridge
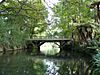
(38,41)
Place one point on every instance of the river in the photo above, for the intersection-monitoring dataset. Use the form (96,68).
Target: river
(24,64)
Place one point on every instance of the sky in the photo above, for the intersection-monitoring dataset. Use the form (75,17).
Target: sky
(49,4)
(0,0)
(51,19)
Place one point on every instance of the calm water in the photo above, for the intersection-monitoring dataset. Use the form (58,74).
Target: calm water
(22,64)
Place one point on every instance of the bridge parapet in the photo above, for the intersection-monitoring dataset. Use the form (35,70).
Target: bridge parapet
(49,38)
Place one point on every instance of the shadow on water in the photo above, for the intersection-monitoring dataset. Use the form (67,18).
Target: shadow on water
(23,64)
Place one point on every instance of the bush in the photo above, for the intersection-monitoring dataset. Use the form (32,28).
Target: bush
(97,64)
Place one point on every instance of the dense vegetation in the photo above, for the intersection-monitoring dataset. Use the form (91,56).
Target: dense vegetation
(23,19)
(20,20)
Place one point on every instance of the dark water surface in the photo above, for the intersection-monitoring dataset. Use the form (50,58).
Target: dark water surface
(23,64)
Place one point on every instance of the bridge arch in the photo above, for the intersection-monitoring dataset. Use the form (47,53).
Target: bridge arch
(40,40)
(50,48)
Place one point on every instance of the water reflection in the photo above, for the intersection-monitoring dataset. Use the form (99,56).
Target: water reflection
(23,64)
(66,67)
(51,68)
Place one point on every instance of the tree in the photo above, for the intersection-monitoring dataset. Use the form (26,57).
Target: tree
(73,13)
(19,18)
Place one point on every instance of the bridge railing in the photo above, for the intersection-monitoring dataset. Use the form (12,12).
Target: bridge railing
(51,37)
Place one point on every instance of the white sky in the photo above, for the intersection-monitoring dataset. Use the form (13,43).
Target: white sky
(51,19)
(0,0)
(50,4)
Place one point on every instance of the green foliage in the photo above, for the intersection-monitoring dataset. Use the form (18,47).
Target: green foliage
(73,13)
(97,63)
(18,20)
(97,59)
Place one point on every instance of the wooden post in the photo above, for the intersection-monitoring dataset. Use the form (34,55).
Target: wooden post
(60,47)
(38,50)
(29,47)
(38,47)
(62,44)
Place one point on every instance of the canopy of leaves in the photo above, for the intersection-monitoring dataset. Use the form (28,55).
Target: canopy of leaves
(73,13)
(19,18)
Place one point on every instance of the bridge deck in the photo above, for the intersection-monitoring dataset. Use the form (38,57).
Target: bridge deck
(39,41)
(49,39)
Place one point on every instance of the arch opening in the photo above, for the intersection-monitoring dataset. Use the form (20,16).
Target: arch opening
(50,48)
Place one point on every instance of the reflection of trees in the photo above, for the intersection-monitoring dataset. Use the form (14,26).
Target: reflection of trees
(38,67)
(74,67)
(70,66)
(20,65)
